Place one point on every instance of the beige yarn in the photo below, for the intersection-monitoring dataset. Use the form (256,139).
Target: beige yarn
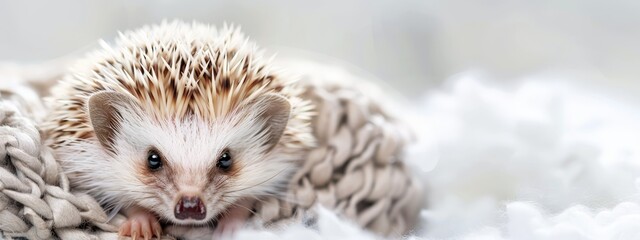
(356,170)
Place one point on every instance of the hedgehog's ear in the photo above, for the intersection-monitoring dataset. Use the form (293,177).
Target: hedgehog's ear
(274,110)
(106,111)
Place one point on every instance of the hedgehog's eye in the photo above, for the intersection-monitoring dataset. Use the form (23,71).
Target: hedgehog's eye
(154,161)
(225,161)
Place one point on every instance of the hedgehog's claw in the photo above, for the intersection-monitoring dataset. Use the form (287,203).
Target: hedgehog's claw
(141,225)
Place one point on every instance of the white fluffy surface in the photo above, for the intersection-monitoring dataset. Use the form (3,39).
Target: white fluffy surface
(534,161)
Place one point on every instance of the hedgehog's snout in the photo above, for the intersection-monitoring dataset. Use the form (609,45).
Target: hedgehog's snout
(190,206)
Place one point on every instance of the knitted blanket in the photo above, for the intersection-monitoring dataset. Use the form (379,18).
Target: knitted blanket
(356,170)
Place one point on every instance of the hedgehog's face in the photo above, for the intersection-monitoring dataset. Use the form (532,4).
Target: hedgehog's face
(190,170)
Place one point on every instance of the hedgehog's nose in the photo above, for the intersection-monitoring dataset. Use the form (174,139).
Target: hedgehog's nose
(190,207)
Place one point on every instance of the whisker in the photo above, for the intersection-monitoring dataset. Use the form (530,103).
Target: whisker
(282,198)
(260,183)
(238,205)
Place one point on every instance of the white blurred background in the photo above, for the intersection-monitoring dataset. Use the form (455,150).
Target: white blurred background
(508,155)
(412,45)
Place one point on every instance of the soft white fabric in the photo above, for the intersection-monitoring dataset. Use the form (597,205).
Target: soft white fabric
(540,160)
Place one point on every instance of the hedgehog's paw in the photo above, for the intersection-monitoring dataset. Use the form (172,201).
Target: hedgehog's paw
(141,225)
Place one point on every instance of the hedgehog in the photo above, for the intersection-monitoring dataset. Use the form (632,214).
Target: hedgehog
(177,123)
